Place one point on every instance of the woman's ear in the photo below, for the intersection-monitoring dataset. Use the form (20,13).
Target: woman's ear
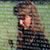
(21,22)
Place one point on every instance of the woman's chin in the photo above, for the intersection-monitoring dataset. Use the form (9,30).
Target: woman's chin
(27,26)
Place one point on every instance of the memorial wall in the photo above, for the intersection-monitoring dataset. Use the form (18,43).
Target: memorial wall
(24,25)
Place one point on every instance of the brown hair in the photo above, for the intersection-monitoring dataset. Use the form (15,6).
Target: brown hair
(27,8)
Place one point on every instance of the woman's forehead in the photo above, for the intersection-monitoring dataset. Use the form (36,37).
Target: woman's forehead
(27,16)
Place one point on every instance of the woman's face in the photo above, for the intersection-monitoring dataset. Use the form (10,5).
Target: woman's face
(27,21)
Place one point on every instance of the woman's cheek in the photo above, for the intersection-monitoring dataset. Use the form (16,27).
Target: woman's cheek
(27,23)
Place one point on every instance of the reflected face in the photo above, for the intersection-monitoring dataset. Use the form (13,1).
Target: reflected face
(27,21)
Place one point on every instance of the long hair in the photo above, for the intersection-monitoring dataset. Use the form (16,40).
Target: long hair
(27,8)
